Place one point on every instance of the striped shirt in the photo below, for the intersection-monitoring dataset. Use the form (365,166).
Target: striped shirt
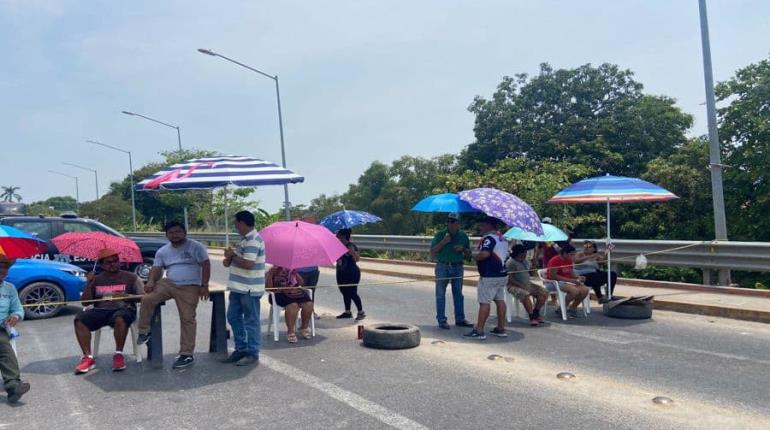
(249,281)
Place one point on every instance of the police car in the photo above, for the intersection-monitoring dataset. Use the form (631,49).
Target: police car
(47,228)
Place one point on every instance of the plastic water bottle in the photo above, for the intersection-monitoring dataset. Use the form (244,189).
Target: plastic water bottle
(12,332)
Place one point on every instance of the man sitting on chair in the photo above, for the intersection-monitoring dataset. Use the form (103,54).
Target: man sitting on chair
(521,287)
(108,287)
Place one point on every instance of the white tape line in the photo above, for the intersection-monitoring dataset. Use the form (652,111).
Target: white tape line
(351,399)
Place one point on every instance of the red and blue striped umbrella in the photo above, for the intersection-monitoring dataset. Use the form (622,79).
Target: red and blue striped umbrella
(613,189)
(15,243)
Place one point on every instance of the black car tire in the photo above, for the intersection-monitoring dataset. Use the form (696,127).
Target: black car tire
(391,336)
(41,292)
(632,311)
(142,270)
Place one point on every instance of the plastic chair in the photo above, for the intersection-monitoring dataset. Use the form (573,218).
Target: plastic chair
(274,317)
(553,287)
(131,331)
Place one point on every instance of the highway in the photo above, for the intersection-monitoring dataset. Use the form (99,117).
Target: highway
(716,370)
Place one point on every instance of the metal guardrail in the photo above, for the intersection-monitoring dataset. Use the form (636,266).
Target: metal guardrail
(744,256)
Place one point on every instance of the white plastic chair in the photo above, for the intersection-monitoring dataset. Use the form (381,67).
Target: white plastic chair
(553,287)
(274,317)
(131,331)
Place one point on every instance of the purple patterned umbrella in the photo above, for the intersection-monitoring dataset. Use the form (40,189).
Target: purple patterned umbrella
(504,206)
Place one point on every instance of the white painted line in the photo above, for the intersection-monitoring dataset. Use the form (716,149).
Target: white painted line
(351,399)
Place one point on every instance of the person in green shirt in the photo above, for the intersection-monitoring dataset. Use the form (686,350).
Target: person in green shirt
(450,247)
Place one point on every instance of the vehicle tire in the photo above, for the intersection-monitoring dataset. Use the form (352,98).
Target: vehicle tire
(632,311)
(391,336)
(142,270)
(37,293)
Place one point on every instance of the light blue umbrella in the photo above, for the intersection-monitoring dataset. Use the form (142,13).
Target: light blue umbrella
(551,233)
(447,202)
(347,219)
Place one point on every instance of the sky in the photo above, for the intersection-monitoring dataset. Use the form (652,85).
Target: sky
(360,80)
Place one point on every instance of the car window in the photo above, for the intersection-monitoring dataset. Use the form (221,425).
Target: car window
(37,228)
(78,227)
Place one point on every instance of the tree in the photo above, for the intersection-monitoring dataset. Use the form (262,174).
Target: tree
(595,116)
(744,129)
(9,194)
(110,210)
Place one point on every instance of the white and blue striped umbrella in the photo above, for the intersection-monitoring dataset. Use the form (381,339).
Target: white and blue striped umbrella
(221,171)
(347,219)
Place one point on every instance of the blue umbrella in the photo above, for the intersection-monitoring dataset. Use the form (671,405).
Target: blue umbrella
(347,219)
(551,233)
(447,202)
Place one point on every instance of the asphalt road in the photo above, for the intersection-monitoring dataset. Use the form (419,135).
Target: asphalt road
(716,371)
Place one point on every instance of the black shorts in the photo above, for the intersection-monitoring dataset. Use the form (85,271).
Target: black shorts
(284,300)
(97,318)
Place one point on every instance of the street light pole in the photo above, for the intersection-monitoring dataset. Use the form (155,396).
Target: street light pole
(130,177)
(715,164)
(77,187)
(286,204)
(178,132)
(96,175)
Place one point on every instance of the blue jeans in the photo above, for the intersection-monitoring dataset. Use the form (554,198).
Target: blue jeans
(443,271)
(243,316)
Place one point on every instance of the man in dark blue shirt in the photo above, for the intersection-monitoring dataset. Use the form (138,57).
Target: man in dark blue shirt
(493,250)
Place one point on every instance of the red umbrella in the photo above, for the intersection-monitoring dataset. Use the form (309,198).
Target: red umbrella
(88,244)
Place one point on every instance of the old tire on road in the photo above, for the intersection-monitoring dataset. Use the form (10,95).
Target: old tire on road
(391,336)
(630,311)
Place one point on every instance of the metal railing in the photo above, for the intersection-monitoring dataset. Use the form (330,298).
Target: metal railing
(744,256)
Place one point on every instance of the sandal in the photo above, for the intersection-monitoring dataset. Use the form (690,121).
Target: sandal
(291,338)
(305,333)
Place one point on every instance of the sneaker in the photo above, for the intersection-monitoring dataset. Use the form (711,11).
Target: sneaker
(540,319)
(183,362)
(15,394)
(499,332)
(463,323)
(346,314)
(444,325)
(86,363)
(247,360)
(533,321)
(361,315)
(234,357)
(572,313)
(603,300)
(476,335)
(143,338)
(118,362)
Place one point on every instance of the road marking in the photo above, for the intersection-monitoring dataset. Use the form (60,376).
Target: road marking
(351,399)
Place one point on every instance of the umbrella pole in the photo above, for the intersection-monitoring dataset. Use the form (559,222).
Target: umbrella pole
(609,255)
(227,223)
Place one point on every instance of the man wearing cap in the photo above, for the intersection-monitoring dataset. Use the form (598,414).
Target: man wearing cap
(450,247)
(493,251)
(107,309)
(11,312)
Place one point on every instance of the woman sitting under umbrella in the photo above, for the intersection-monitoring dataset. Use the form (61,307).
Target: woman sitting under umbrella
(587,264)
(289,295)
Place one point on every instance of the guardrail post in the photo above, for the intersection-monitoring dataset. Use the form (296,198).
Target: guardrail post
(706,276)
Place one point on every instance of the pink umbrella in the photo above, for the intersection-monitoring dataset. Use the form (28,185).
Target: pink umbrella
(295,244)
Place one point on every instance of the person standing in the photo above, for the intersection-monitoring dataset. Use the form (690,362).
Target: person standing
(493,251)
(118,314)
(348,276)
(187,272)
(11,312)
(450,247)
(246,284)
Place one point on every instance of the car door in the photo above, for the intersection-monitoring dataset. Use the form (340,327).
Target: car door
(42,229)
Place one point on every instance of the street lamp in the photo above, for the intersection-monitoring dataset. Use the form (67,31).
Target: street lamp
(130,176)
(77,189)
(286,203)
(96,175)
(178,133)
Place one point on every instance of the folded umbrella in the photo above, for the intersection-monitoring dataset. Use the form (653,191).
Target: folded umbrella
(348,219)
(88,244)
(296,244)
(15,243)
